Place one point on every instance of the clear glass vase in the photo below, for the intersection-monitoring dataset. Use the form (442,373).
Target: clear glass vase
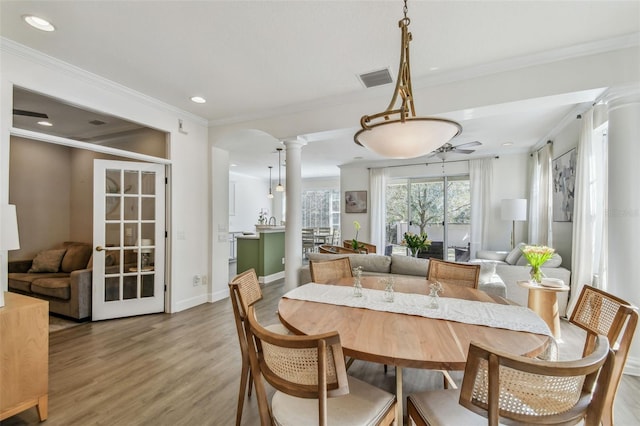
(536,274)
(357,284)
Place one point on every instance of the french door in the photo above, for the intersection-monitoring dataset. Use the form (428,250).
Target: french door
(128,234)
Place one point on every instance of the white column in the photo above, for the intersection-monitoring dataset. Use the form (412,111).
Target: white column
(293,227)
(623,277)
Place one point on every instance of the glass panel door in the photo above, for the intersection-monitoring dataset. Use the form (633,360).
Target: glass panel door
(129,239)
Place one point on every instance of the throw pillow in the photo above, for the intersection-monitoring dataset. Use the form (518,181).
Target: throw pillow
(76,257)
(48,261)
(514,255)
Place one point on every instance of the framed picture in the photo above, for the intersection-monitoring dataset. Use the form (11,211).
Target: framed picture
(355,201)
(564,178)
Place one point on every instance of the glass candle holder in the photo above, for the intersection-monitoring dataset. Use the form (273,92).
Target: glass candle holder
(389,293)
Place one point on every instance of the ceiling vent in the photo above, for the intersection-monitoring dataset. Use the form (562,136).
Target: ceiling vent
(97,122)
(376,78)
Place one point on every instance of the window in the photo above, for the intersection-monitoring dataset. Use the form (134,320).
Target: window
(422,205)
(321,208)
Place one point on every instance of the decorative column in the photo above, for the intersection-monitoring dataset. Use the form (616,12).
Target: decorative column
(293,226)
(623,210)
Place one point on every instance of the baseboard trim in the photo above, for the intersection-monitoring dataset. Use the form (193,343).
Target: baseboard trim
(271,278)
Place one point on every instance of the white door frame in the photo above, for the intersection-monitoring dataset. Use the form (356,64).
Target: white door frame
(57,140)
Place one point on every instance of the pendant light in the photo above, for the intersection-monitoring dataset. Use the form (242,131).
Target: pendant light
(270,194)
(279,187)
(399,133)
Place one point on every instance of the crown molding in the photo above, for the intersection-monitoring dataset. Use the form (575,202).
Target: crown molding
(11,47)
(452,76)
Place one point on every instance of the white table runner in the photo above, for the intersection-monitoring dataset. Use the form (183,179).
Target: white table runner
(495,315)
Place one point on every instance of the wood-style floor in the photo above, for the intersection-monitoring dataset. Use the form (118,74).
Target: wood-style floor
(183,369)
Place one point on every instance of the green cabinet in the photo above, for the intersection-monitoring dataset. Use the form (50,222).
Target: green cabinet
(263,252)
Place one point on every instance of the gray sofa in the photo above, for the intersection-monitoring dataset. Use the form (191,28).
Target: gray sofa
(397,265)
(67,286)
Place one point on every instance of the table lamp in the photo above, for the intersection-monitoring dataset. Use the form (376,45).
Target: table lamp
(514,209)
(145,251)
(9,239)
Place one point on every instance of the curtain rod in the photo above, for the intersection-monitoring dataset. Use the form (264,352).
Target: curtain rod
(427,163)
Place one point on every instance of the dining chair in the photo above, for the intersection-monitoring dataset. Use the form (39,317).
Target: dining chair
(311,382)
(244,291)
(453,273)
(323,272)
(600,313)
(324,235)
(308,240)
(511,389)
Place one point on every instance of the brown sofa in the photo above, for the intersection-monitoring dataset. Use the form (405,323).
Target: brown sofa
(67,287)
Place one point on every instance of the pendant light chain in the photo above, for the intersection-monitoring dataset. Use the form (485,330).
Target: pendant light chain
(270,194)
(279,188)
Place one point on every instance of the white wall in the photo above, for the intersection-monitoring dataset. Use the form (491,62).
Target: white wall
(251,196)
(354,179)
(220,269)
(40,189)
(188,218)
(510,180)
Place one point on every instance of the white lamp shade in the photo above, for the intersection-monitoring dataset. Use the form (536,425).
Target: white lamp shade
(145,242)
(409,139)
(9,239)
(514,209)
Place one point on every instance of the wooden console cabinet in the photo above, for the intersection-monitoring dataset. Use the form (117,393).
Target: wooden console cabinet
(24,355)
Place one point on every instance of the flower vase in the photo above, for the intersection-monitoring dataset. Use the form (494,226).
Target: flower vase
(357,285)
(414,252)
(536,274)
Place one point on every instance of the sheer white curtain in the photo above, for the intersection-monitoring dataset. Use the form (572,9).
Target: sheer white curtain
(588,253)
(540,197)
(377,187)
(480,181)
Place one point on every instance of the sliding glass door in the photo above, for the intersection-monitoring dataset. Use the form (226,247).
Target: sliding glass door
(441,207)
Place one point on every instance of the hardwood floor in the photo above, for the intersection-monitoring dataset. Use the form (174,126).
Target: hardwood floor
(183,369)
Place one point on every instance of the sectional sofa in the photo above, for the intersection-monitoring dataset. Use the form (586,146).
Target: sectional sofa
(497,275)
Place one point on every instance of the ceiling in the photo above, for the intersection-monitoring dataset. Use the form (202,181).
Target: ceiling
(259,59)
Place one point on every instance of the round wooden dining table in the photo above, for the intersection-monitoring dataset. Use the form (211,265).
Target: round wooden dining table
(403,340)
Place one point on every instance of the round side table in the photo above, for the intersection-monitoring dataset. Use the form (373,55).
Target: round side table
(544,301)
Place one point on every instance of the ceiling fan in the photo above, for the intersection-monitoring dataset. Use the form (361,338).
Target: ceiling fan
(458,149)
(29,113)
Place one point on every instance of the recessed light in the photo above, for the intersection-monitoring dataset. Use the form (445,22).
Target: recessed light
(233,165)
(198,99)
(45,123)
(434,68)
(507,144)
(39,23)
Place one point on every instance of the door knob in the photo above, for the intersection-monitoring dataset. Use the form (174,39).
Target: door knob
(99,248)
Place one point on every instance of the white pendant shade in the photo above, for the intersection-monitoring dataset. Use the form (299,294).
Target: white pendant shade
(408,139)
